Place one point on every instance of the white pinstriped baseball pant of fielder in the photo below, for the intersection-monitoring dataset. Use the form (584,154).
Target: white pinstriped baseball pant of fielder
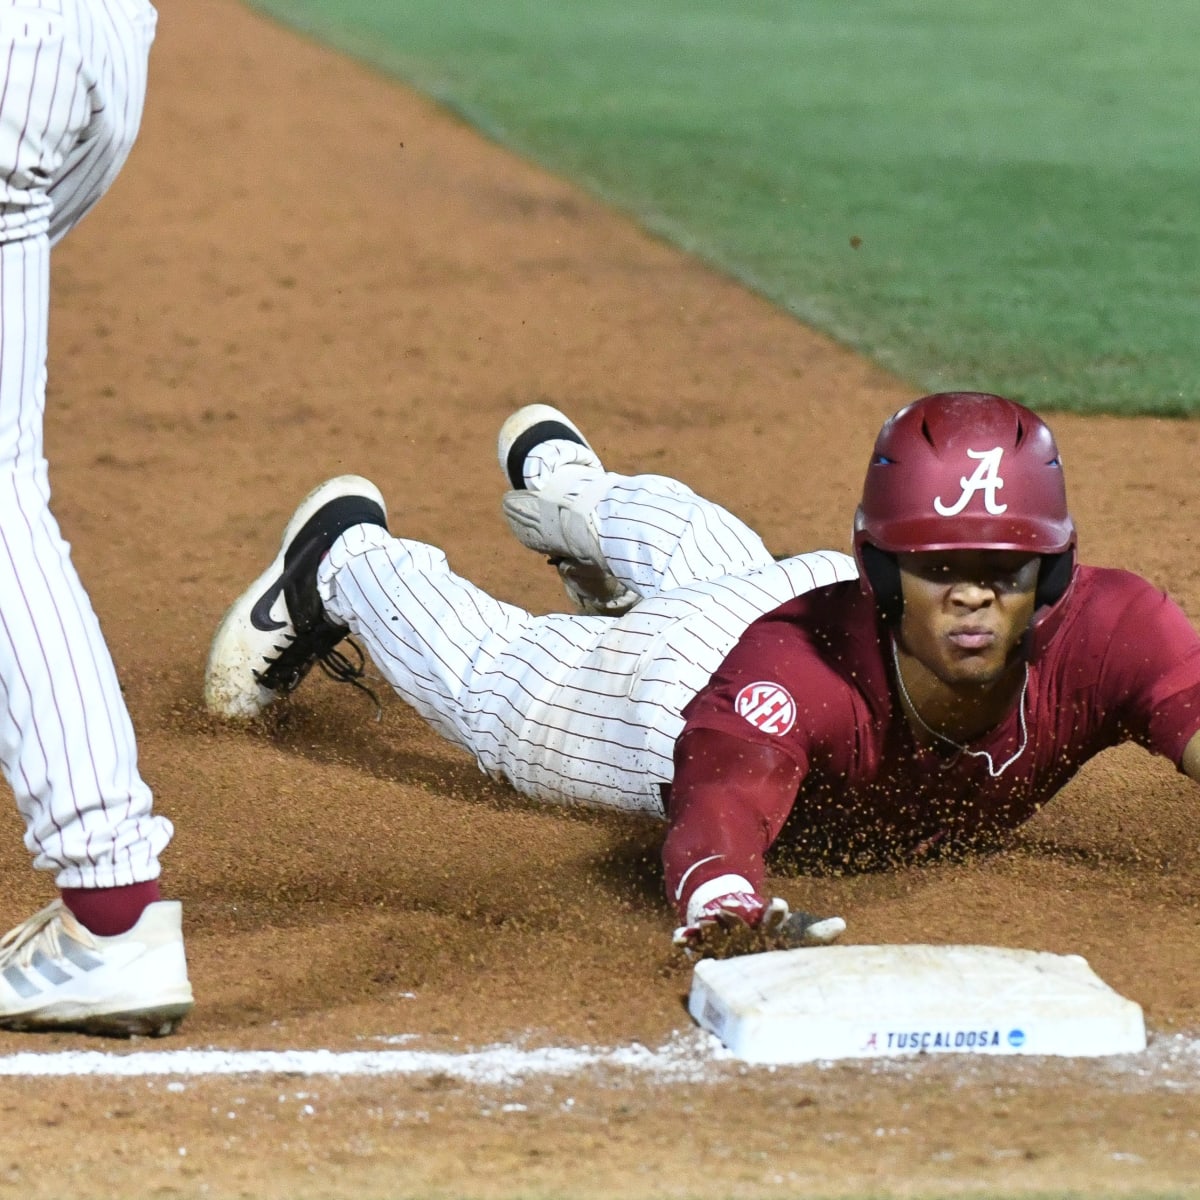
(571,708)
(74,81)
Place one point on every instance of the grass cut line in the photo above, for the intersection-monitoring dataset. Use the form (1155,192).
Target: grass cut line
(997,195)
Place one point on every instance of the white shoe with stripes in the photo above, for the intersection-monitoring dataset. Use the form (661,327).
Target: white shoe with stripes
(56,975)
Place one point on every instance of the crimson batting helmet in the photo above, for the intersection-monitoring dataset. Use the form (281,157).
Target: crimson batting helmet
(965,471)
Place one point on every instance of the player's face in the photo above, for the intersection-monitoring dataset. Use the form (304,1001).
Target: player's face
(965,611)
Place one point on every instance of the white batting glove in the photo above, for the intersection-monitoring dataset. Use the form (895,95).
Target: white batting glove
(743,922)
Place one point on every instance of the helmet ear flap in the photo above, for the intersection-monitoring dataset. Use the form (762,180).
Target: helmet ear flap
(883,574)
(1054,574)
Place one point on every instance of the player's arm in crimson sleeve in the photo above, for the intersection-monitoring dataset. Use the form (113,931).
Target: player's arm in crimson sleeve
(727,804)
(1151,672)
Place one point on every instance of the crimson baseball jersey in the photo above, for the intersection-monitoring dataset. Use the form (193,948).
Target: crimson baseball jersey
(813,681)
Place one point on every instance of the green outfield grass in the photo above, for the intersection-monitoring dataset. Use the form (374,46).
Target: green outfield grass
(1002,194)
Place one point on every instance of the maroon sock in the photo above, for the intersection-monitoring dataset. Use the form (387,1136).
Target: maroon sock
(108,911)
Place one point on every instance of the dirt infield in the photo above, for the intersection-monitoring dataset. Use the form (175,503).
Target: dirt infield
(306,270)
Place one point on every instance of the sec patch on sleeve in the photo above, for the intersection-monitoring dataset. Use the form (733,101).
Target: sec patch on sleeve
(767,706)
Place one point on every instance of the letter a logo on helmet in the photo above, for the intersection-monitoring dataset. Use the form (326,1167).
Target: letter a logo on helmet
(986,480)
(964,471)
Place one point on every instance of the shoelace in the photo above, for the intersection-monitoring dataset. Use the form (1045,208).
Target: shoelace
(341,669)
(43,931)
(332,662)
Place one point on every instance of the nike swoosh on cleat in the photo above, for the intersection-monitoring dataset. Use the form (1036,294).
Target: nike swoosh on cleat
(260,614)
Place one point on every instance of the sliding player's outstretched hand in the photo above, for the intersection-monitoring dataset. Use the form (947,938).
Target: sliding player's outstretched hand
(746,923)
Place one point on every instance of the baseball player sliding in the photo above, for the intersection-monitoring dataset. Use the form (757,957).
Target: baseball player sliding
(107,956)
(928,694)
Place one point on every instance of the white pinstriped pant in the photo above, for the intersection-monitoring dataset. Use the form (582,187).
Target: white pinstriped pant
(71,100)
(571,708)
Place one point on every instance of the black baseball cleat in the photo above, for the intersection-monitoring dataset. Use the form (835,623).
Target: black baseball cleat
(277,630)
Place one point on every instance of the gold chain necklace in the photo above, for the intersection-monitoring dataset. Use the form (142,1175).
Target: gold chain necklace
(994,771)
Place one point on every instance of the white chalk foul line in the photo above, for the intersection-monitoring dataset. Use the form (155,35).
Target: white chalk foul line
(683,1058)
(1171,1062)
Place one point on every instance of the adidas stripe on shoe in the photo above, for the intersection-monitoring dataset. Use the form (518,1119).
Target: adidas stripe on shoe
(56,975)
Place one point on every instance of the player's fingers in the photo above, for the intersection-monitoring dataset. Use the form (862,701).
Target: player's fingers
(803,929)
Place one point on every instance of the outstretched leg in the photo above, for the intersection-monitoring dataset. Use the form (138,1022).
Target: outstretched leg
(542,701)
(509,687)
(433,635)
(567,707)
